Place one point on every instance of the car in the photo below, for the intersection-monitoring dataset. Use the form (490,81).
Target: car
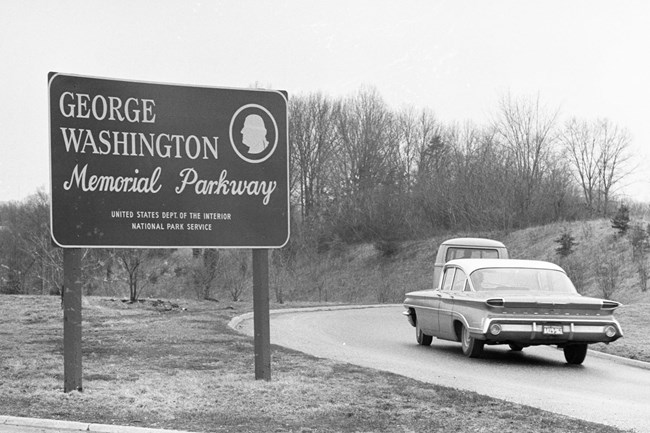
(467,248)
(519,303)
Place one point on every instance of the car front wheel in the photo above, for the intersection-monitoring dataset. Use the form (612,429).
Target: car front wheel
(472,347)
(422,338)
(575,353)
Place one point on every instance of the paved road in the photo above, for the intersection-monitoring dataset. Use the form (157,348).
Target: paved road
(600,390)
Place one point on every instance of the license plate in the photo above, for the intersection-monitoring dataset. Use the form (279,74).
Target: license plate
(552,330)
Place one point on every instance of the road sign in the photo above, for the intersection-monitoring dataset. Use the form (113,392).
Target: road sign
(152,165)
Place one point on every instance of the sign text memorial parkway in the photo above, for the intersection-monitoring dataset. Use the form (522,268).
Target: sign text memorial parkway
(149,165)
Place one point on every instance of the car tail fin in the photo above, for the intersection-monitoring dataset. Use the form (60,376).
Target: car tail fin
(495,302)
(610,305)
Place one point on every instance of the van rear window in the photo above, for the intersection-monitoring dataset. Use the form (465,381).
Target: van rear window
(471,253)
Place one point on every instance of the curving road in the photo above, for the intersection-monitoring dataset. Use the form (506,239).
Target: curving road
(601,390)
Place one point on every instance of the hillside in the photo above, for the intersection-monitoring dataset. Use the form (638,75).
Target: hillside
(600,252)
(363,274)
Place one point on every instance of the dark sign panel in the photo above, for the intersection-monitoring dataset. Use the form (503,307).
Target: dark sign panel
(156,165)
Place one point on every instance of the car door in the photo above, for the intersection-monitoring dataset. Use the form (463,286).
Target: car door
(446,317)
(431,320)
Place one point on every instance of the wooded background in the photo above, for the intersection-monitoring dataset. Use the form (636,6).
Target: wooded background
(364,172)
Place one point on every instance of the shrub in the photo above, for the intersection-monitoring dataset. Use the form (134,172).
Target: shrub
(387,248)
(608,274)
(640,241)
(567,242)
(621,221)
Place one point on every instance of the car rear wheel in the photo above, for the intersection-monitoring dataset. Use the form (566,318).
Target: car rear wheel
(472,347)
(422,338)
(575,353)
(516,347)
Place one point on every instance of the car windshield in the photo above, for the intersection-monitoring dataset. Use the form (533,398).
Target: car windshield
(545,280)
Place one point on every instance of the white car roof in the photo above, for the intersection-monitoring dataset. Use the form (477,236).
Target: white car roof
(470,265)
(473,242)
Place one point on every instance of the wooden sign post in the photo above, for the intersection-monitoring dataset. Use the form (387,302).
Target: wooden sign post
(261,322)
(72,368)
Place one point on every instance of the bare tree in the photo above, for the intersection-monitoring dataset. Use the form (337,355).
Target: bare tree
(639,237)
(131,260)
(528,133)
(19,228)
(479,176)
(143,268)
(608,273)
(417,130)
(581,144)
(313,142)
(598,152)
(613,159)
(32,263)
(236,273)
(559,192)
(368,151)
(367,171)
(432,190)
(204,271)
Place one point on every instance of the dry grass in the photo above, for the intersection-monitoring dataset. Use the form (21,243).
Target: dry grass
(183,368)
(597,242)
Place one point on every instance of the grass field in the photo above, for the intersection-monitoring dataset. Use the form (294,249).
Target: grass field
(178,365)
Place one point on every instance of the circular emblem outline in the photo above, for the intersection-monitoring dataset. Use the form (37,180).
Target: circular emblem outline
(232,141)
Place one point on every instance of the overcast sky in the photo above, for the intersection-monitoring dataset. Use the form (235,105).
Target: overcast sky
(588,58)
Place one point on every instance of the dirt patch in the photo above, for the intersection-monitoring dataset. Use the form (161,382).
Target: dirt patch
(162,305)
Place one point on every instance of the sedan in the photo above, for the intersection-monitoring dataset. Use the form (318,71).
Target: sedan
(520,303)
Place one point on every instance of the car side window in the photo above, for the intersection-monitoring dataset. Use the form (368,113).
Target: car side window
(448,278)
(459,281)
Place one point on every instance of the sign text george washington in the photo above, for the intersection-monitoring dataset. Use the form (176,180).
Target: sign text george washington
(156,165)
